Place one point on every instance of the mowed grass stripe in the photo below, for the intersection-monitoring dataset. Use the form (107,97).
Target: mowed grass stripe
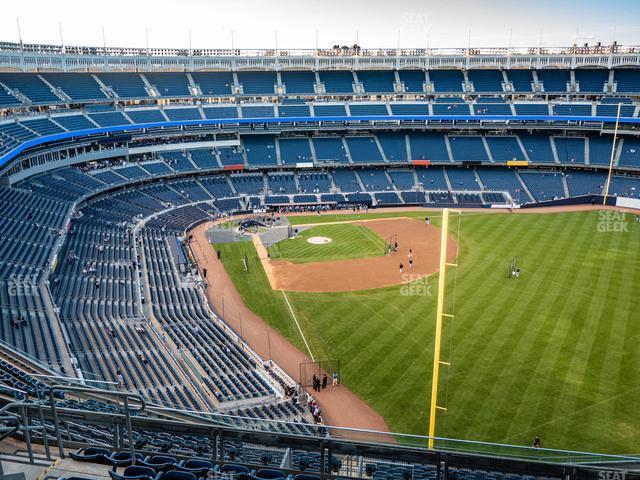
(525,356)
(347,242)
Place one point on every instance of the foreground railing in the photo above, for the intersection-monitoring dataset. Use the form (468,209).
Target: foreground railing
(44,422)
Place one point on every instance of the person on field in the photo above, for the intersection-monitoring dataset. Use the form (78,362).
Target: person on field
(427,220)
(324,381)
(410,264)
(204,273)
(410,253)
(335,379)
(536,442)
(401,268)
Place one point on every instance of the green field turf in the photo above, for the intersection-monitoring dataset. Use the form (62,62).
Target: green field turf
(348,241)
(554,352)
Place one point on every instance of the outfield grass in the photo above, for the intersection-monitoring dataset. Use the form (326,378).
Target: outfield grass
(347,241)
(554,352)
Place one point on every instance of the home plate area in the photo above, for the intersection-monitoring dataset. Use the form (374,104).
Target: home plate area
(319,240)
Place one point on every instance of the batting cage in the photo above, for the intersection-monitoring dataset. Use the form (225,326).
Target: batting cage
(309,369)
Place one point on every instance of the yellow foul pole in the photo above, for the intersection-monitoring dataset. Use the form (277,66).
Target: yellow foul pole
(438,336)
(613,154)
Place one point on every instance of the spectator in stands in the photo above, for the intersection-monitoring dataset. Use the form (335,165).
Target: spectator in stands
(119,378)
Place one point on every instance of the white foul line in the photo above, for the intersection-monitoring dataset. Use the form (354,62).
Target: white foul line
(298,325)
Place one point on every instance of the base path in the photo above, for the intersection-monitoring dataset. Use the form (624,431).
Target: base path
(340,407)
(366,273)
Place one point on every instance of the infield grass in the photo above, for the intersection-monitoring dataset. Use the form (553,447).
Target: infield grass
(347,241)
(554,352)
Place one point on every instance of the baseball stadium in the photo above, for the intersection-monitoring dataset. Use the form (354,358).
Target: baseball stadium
(311,263)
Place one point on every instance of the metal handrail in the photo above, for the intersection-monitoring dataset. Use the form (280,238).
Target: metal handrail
(125,396)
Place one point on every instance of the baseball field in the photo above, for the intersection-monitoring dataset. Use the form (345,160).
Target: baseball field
(554,352)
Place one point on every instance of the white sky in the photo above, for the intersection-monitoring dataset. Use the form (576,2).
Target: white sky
(441,23)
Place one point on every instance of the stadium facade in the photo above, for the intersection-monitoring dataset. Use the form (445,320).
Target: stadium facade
(130,148)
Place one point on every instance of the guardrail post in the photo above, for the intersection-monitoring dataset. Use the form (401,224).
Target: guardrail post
(45,439)
(214,450)
(56,423)
(27,433)
(132,447)
(116,437)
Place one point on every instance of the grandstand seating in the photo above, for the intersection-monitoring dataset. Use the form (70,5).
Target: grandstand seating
(220,112)
(214,83)
(257,111)
(169,84)
(591,80)
(521,79)
(183,113)
(145,115)
(330,149)
(298,82)
(413,80)
(432,178)
(31,86)
(630,153)
(394,146)
(577,109)
(504,149)
(537,147)
(258,83)
(503,180)
(203,158)
(340,82)
(125,85)
(585,183)
(377,81)
(410,108)
(261,150)
(462,179)
(78,86)
(374,180)
(293,111)
(363,149)
(447,81)
(402,179)
(627,80)
(468,148)
(109,119)
(365,109)
(486,80)
(544,186)
(570,150)
(531,108)
(554,80)
(329,110)
(295,150)
(428,146)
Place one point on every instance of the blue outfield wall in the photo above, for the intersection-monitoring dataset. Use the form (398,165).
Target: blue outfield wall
(308,119)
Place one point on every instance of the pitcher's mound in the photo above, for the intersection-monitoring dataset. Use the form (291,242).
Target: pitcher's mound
(319,240)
